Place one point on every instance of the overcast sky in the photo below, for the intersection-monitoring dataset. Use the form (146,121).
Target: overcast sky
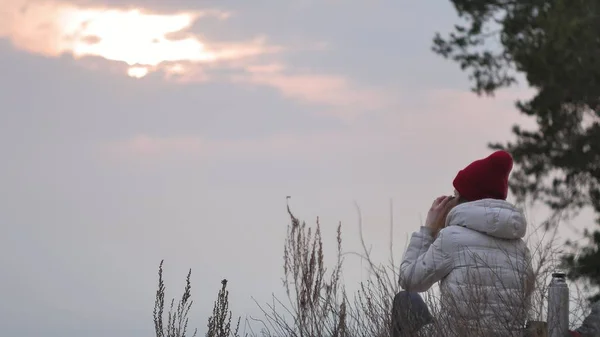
(135,131)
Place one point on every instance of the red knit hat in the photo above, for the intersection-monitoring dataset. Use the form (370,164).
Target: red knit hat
(485,178)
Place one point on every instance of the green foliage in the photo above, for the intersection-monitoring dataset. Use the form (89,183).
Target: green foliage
(555,44)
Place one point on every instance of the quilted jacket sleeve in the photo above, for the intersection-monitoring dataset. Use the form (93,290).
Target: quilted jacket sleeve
(426,261)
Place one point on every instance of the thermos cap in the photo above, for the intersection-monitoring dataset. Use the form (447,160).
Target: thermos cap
(559,275)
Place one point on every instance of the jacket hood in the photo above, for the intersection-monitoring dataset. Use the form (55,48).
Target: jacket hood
(497,218)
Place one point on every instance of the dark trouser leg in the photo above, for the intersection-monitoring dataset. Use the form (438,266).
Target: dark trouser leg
(409,314)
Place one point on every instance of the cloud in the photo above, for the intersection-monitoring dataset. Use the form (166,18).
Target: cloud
(314,88)
(464,110)
(155,146)
(450,118)
(146,146)
(144,40)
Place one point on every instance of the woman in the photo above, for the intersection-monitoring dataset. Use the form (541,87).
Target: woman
(472,244)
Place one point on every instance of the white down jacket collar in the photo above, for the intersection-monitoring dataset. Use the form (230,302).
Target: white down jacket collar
(496,218)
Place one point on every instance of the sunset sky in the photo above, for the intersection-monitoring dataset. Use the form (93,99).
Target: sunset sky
(132,132)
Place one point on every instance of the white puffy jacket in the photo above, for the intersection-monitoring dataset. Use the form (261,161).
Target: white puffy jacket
(483,265)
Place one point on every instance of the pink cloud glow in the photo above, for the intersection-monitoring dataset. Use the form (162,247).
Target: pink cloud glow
(145,42)
(452,119)
(332,90)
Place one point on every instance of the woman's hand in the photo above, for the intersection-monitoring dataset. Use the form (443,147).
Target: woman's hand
(436,217)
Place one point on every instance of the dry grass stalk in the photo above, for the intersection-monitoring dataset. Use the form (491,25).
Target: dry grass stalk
(317,304)
(219,324)
(177,320)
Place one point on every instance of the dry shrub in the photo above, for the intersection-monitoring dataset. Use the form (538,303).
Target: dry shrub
(219,324)
(316,299)
(177,320)
(546,250)
(318,305)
